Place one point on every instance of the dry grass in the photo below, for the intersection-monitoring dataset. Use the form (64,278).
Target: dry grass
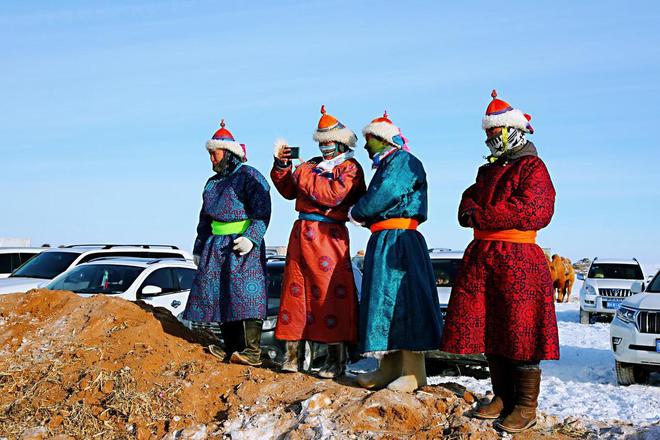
(96,404)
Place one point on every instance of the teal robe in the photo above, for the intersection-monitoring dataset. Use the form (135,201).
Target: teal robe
(399,307)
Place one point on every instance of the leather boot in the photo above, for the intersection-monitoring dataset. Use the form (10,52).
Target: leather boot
(335,362)
(523,415)
(413,373)
(251,354)
(388,370)
(293,356)
(503,396)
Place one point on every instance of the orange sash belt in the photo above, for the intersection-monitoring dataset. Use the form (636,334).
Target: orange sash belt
(510,235)
(394,223)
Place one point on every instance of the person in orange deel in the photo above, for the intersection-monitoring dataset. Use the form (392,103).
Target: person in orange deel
(319,300)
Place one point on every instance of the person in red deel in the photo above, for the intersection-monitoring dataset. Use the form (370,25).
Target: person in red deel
(319,299)
(502,302)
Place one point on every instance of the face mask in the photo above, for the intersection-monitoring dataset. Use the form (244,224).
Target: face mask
(227,165)
(328,151)
(508,140)
(375,146)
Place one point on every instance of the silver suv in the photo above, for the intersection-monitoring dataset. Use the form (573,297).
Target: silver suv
(606,286)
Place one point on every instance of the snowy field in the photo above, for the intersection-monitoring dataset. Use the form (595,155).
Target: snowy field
(583,382)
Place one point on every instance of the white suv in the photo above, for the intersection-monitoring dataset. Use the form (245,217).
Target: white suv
(11,258)
(606,285)
(163,282)
(635,333)
(52,262)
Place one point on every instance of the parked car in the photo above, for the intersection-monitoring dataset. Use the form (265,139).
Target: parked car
(161,282)
(635,333)
(12,257)
(606,286)
(445,267)
(41,269)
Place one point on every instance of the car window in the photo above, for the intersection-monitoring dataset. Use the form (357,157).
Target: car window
(46,265)
(165,255)
(616,271)
(275,278)
(94,255)
(184,277)
(654,286)
(97,278)
(6,263)
(444,271)
(163,278)
(23,258)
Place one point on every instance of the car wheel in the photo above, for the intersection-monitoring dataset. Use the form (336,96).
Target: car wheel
(585,317)
(625,373)
(641,375)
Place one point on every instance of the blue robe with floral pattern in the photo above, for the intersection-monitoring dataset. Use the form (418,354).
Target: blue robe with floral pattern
(399,307)
(229,287)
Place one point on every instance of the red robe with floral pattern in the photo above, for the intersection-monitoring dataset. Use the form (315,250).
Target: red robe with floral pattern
(319,299)
(502,302)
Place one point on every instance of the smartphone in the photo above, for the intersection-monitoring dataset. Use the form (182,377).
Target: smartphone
(295,152)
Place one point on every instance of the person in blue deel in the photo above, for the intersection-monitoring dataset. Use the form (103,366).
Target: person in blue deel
(230,285)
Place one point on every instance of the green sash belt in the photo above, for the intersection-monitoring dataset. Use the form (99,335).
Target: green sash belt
(229,228)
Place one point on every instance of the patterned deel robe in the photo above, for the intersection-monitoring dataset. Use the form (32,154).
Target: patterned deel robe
(399,307)
(228,287)
(319,300)
(502,302)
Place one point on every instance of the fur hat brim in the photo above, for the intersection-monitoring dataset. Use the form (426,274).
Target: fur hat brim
(234,147)
(512,118)
(341,135)
(382,130)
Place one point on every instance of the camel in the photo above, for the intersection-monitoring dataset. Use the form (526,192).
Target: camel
(563,277)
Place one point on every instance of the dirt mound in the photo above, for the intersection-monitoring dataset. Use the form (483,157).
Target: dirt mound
(103,367)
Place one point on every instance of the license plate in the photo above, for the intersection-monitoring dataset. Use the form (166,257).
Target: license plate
(657,345)
(613,303)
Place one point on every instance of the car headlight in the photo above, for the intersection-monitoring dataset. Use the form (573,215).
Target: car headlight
(270,323)
(589,289)
(626,315)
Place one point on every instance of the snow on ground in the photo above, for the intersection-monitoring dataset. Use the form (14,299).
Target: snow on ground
(583,382)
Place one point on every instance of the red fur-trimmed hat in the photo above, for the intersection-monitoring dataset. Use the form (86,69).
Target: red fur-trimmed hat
(224,140)
(331,130)
(500,114)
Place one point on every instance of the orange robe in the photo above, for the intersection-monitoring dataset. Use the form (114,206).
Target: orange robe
(319,297)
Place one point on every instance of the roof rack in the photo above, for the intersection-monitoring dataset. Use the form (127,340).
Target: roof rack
(439,250)
(110,246)
(145,259)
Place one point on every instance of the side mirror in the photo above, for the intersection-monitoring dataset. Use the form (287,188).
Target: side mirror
(151,290)
(637,287)
(580,276)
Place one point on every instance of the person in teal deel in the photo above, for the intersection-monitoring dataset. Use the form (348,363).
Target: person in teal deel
(400,315)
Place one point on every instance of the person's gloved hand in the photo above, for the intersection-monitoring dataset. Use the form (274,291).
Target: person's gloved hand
(196,260)
(243,245)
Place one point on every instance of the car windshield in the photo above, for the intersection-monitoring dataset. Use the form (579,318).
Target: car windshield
(97,278)
(655,285)
(46,265)
(616,271)
(275,278)
(445,270)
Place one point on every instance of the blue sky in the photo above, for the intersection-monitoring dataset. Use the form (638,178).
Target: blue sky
(105,107)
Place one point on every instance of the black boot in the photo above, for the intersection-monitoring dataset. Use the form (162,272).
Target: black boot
(503,389)
(232,337)
(335,362)
(251,354)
